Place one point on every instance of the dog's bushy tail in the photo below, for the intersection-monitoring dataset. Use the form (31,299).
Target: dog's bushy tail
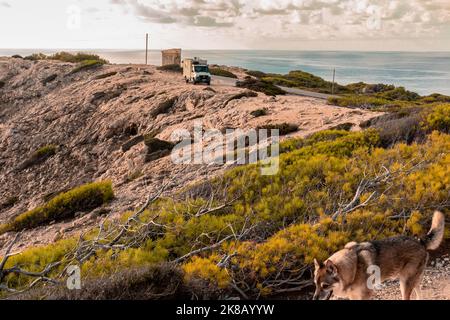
(434,237)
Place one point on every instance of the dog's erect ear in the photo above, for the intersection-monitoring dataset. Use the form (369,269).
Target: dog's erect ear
(317,264)
(331,267)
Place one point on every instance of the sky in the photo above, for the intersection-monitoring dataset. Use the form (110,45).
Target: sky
(364,25)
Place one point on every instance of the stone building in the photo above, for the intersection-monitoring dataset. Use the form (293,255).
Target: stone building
(171,56)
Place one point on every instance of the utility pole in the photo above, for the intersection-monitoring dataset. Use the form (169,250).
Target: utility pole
(334,77)
(146,48)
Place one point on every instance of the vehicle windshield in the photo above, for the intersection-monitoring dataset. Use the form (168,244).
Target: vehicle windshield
(201,69)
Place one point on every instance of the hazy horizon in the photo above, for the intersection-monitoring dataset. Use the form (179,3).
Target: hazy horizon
(218,49)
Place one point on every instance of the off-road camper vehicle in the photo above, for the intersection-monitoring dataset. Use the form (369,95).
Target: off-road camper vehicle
(196,71)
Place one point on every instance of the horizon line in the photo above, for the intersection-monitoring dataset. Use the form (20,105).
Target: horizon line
(190,49)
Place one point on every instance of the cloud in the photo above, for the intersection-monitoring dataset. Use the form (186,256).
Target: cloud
(301,19)
(203,13)
(5,4)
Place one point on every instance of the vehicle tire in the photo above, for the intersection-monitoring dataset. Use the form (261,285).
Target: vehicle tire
(208,83)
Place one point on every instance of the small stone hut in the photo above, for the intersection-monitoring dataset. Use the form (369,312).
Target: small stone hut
(171,56)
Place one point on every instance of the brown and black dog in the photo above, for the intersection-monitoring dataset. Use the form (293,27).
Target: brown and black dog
(346,273)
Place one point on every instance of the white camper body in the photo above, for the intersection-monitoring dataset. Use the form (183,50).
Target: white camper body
(196,71)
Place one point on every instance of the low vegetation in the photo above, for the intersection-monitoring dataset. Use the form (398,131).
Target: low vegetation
(105,75)
(77,57)
(439,119)
(381,97)
(347,126)
(86,65)
(249,235)
(63,206)
(358,101)
(85,61)
(256,74)
(222,73)
(241,95)
(257,85)
(39,156)
(259,112)
(284,128)
(303,80)
(171,68)
(66,57)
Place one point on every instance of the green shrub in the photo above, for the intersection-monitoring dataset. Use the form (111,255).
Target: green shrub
(290,211)
(260,86)
(439,119)
(358,101)
(17,56)
(77,57)
(47,150)
(326,135)
(105,75)
(36,57)
(304,80)
(435,98)
(64,206)
(399,94)
(284,128)
(256,74)
(222,73)
(39,156)
(171,68)
(364,88)
(86,65)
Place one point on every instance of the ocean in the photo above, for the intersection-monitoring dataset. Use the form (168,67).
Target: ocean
(422,72)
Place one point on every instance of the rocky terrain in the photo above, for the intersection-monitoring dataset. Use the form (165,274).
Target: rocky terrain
(96,119)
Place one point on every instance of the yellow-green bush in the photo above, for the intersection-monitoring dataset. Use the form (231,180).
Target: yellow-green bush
(439,118)
(207,269)
(359,101)
(291,211)
(37,259)
(63,206)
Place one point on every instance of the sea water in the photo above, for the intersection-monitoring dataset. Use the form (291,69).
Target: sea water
(422,72)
